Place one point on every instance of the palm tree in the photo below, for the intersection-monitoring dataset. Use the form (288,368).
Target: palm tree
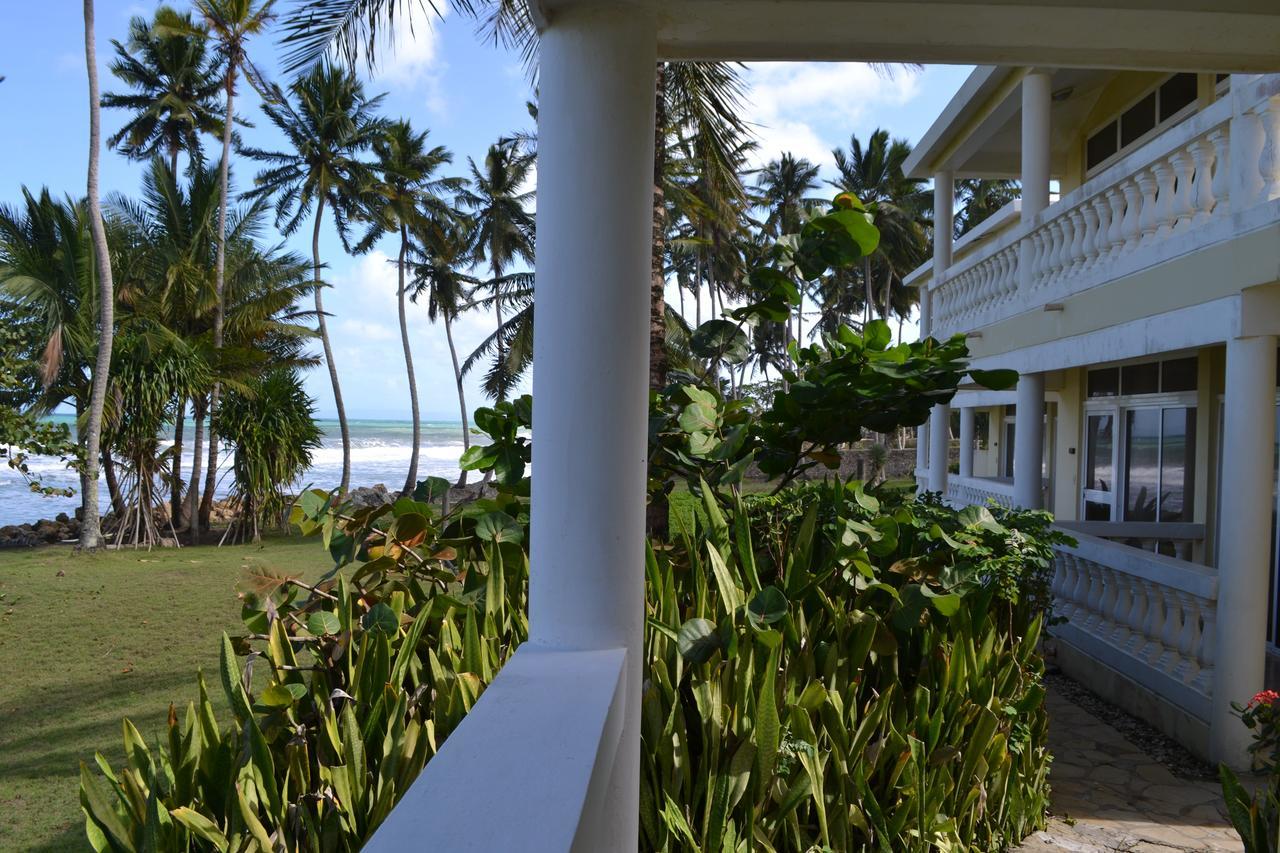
(498,200)
(698,104)
(406,195)
(443,251)
(899,204)
(231,23)
(90,525)
(784,186)
(175,87)
(979,198)
(328,120)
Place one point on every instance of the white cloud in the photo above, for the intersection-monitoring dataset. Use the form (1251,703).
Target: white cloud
(409,59)
(808,108)
(367,330)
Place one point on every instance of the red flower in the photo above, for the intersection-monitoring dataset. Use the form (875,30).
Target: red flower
(1268,697)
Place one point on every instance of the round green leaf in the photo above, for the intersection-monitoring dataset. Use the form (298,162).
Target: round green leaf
(697,640)
(381,619)
(768,606)
(276,696)
(498,527)
(323,622)
(720,339)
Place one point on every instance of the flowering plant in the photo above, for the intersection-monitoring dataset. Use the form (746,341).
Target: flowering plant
(1256,815)
(1262,717)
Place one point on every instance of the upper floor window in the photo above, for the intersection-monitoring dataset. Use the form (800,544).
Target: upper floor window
(1162,105)
(1170,376)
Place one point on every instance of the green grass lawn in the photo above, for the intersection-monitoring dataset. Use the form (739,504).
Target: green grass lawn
(88,639)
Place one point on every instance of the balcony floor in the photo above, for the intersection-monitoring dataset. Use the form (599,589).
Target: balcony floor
(1109,795)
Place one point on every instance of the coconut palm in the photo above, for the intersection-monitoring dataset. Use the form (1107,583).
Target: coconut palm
(443,251)
(328,120)
(978,198)
(499,201)
(90,525)
(406,194)
(899,205)
(784,185)
(175,84)
(231,23)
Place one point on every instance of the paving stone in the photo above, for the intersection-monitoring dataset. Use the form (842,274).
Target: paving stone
(1118,798)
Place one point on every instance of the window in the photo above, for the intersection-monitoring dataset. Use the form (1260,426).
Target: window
(1176,94)
(1099,477)
(1162,105)
(1139,120)
(1173,376)
(1104,382)
(1140,378)
(1006,464)
(1159,470)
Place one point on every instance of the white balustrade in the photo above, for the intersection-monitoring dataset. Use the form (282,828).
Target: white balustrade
(1148,616)
(1166,190)
(978,491)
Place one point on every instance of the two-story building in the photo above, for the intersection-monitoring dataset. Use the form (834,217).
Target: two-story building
(1136,289)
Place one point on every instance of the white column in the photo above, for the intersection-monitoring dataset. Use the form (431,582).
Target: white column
(1244,556)
(944,197)
(939,444)
(1028,442)
(590,374)
(922,447)
(939,431)
(1035,143)
(966,441)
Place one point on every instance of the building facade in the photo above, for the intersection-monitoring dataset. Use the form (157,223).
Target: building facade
(1136,289)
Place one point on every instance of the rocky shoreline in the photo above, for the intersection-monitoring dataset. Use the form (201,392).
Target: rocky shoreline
(63,529)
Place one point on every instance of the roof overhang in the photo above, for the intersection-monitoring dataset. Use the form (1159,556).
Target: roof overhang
(1172,35)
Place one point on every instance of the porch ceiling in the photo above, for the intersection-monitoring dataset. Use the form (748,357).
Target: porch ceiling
(1175,35)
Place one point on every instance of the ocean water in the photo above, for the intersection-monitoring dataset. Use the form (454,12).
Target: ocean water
(379,454)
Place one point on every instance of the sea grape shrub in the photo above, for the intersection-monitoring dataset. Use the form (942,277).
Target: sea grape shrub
(846,384)
(832,668)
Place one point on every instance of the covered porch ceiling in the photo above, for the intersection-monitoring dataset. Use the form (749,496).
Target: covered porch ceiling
(1174,35)
(979,133)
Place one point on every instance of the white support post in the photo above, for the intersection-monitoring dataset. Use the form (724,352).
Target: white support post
(590,374)
(939,430)
(1244,561)
(1028,443)
(966,441)
(1036,100)
(939,445)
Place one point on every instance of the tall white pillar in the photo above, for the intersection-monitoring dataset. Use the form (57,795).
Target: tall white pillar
(1028,443)
(1036,99)
(944,199)
(1244,555)
(939,431)
(939,445)
(966,441)
(922,447)
(590,365)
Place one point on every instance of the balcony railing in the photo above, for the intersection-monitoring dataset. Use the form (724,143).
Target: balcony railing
(1172,196)
(1147,616)
(978,491)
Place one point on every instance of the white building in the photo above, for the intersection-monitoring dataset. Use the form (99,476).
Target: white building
(548,760)
(1141,306)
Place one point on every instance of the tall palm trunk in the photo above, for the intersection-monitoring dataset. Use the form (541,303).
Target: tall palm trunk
(175,493)
(328,352)
(657,281)
(197,456)
(411,479)
(219,286)
(496,269)
(870,288)
(462,396)
(91,524)
(113,484)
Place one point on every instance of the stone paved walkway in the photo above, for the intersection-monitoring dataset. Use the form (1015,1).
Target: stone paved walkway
(1110,796)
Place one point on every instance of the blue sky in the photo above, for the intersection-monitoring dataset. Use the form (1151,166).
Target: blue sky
(441,77)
